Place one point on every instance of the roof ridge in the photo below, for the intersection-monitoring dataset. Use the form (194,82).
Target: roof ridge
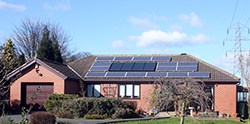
(219,69)
(75,72)
(52,67)
(51,61)
(135,55)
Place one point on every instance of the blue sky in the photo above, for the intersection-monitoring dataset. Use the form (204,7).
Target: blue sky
(195,27)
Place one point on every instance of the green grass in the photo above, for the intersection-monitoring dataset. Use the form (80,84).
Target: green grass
(187,121)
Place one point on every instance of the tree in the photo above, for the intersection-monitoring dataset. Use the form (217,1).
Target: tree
(29,35)
(45,49)
(184,91)
(8,62)
(244,67)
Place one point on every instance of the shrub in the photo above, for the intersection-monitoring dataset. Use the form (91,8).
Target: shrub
(65,114)
(95,116)
(42,118)
(6,120)
(125,113)
(54,102)
(81,106)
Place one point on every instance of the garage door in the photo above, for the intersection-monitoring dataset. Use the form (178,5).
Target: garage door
(29,89)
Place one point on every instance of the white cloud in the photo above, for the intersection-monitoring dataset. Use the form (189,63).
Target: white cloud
(118,44)
(225,62)
(10,6)
(63,5)
(158,37)
(142,22)
(192,19)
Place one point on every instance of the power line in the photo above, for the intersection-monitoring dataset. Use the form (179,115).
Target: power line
(236,6)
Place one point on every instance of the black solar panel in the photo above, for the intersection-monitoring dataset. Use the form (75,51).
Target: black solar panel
(99,68)
(138,66)
(95,74)
(177,74)
(149,66)
(199,74)
(123,58)
(127,66)
(156,74)
(116,66)
(142,58)
(136,74)
(104,58)
(161,58)
(115,74)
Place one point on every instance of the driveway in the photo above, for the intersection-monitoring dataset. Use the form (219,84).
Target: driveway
(18,118)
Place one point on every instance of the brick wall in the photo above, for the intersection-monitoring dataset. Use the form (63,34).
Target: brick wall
(30,75)
(225,98)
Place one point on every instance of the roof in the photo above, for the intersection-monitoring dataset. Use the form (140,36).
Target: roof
(60,69)
(82,67)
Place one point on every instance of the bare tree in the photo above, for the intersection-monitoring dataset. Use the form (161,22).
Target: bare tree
(186,90)
(244,67)
(28,36)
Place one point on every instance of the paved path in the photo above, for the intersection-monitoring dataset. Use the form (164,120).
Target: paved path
(18,118)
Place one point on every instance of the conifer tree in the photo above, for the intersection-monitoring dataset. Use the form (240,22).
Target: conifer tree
(45,49)
(56,48)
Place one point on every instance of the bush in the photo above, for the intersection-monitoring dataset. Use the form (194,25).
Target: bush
(6,120)
(95,116)
(81,106)
(65,114)
(125,113)
(54,102)
(42,118)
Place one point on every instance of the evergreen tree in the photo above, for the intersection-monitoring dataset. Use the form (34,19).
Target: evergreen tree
(45,49)
(56,48)
(9,56)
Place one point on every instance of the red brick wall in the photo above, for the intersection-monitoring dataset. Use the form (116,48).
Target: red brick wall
(141,104)
(72,87)
(30,75)
(225,98)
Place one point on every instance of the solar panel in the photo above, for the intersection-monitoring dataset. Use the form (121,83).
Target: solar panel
(138,66)
(150,66)
(167,63)
(127,66)
(136,74)
(123,58)
(187,63)
(187,68)
(98,63)
(116,66)
(156,74)
(177,74)
(95,74)
(199,74)
(166,68)
(115,74)
(161,58)
(142,58)
(104,58)
(99,68)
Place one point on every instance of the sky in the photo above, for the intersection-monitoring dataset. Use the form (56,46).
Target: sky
(195,27)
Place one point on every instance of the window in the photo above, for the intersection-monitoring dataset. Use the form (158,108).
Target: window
(129,90)
(93,90)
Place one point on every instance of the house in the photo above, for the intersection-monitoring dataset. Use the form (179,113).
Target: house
(130,77)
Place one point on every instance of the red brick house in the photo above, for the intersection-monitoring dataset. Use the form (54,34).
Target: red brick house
(127,76)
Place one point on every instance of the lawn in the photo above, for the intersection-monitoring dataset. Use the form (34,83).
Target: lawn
(187,121)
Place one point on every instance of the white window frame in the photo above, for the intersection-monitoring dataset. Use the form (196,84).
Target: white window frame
(134,88)
(94,90)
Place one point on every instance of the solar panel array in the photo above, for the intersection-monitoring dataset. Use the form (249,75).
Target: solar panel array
(144,66)
(150,74)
